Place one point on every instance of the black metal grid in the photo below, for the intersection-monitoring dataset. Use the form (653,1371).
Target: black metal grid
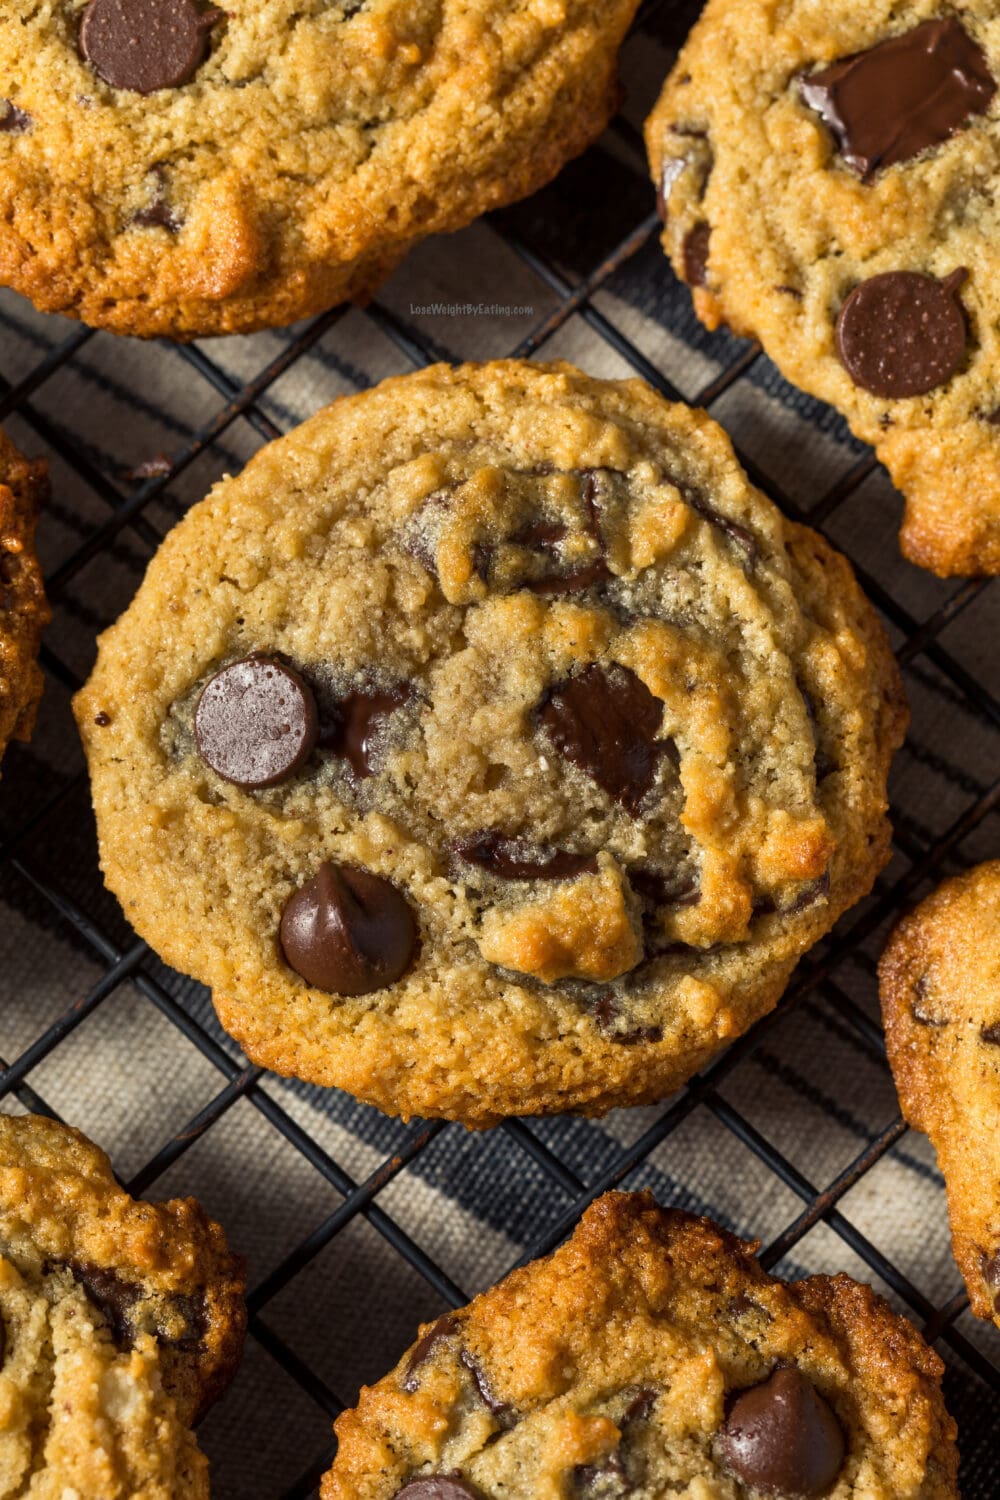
(127,509)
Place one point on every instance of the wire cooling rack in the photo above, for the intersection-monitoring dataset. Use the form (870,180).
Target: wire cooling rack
(358,1226)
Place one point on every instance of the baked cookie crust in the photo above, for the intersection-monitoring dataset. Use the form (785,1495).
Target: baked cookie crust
(940,988)
(784,193)
(614,1366)
(24,488)
(580,743)
(122,1322)
(294,164)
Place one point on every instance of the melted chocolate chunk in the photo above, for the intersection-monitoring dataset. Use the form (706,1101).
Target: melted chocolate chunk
(989,1266)
(607,1012)
(639,1409)
(13,121)
(902,333)
(516,859)
(990,1034)
(347,931)
(360,719)
(502,1410)
(424,1347)
(158,215)
(606,721)
(813,891)
(920,1009)
(256,722)
(781,1437)
(607,1479)
(743,539)
(437,1487)
(113,1298)
(145,45)
(661,888)
(903,96)
(695,253)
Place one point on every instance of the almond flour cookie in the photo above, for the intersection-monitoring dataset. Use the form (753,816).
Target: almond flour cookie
(827,176)
(122,1321)
(651,1356)
(940,987)
(24,488)
(490,746)
(174,167)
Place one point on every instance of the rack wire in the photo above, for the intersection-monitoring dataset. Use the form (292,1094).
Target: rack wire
(570,1163)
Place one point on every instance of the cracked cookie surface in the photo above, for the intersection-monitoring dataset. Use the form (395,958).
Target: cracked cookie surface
(940,988)
(828,179)
(651,1355)
(24,612)
(170,167)
(121,1322)
(503,763)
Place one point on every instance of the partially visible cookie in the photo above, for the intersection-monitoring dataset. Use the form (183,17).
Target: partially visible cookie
(24,488)
(491,746)
(652,1356)
(940,988)
(121,1321)
(828,176)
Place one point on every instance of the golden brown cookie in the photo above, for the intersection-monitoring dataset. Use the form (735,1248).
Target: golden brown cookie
(120,1323)
(24,487)
(651,1356)
(828,177)
(940,987)
(174,167)
(491,746)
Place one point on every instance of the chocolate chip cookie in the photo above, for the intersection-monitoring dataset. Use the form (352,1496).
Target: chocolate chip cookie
(940,987)
(24,488)
(176,167)
(827,177)
(651,1356)
(120,1323)
(490,746)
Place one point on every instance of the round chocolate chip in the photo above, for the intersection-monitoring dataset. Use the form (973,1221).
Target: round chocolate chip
(902,333)
(347,931)
(145,45)
(436,1487)
(782,1437)
(256,722)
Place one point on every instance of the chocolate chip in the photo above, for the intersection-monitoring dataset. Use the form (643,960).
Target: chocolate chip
(789,291)
(517,859)
(989,1266)
(102,720)
(902,333)
(145,45)
(920,1009)
(663,887)
(781,1437)
(744,539)
(639,1409)
(113,1298)
(158,215)
(902,96)
(695,253)
(359,720)
(992,417)
(13,121)
(697,155)
(424,1347)
(256,722)
(991,1034)
(502,1410)
(606,721)
(607,1012)
(347,931)
(437,1487)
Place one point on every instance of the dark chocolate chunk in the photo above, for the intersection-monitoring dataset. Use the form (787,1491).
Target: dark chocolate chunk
(437,1487)
(662,888)
(13,121)
(158,214)
(145,45)
(424,1347)
(781,1437)
(990,1034)
(902,333)
(502,1410)
(989,1266)
(113,1298)
(920,1008)
(639,1409)
(102,720)
(606,721)
(360,718)
(695,252)
(902,96)
(743,539)
(607,1012)
(516,859)
(697,155)
(348,931)
(256,722)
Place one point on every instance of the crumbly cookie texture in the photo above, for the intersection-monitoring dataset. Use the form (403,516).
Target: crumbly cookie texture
(122,1321)
(651,1355)
(490,746)
(828,180)
(24,612)
(170,167)
(940,988)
